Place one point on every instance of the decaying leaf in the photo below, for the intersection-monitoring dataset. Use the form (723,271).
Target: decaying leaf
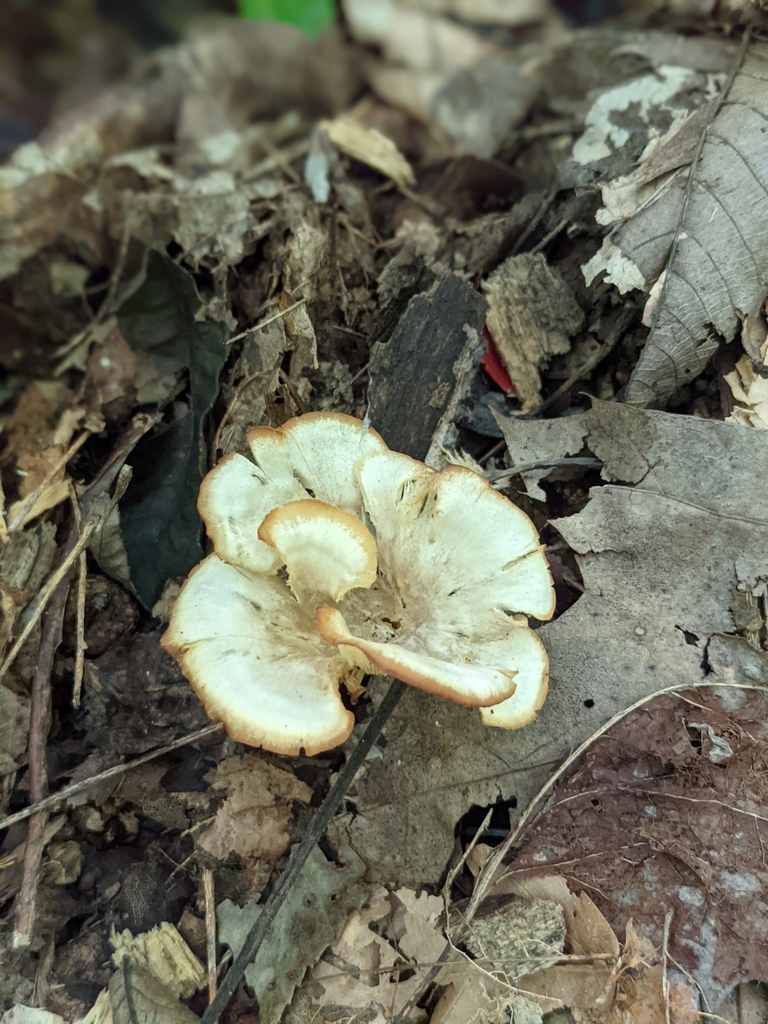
(750,390)
(720,268)
(666,815)
(370,147)
(215,82)
(359,971)
(311,918)
(254,820)
(160,525)
(471,995)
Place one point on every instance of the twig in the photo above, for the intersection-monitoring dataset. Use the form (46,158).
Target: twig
(40,723)
(42,599)
(109,773)
(267,322)
(298,858)
(82,580)
(28,503)
(117,273)
(548,238)
(664,957)
(210,932)
(525,467)
(277,160)
(453,874)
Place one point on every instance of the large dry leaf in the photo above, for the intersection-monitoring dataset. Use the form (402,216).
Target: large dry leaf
(312,917)
(660,563)
(254,820)
(720,261)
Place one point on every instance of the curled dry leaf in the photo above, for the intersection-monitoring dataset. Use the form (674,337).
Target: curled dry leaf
(719,268)
(370,147)
(254,819)
(335,557)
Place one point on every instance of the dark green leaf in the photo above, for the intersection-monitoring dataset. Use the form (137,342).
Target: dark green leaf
(160,524)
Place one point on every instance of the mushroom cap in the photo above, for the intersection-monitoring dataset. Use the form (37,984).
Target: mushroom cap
(255,660)
(311,456)
(532,680)
(462,557)
(462,560)
(472,685)
(457,563)
(326,551)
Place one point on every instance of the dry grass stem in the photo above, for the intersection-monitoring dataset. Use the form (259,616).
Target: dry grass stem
(40,723)
(19,520)
(42,599)
(108,773)
(268,321)
(80,644)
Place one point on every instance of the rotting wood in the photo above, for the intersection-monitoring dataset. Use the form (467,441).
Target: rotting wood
(412,375)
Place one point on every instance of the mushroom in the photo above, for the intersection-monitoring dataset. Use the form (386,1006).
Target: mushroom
(334,557)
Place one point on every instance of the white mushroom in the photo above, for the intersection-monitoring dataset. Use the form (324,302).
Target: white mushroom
(334,557)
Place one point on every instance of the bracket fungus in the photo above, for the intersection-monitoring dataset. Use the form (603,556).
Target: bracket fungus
(334,557)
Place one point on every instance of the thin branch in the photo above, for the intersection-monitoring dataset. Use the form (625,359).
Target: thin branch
(42,599)
(80,644)
(40,723)
(298,858)
(109,773)
(664,959)
(210,932)
(268,321)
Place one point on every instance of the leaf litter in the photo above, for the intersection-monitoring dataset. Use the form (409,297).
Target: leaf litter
(206,249)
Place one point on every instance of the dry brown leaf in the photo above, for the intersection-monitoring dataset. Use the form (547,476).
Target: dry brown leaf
(702,297)
(254,819)
(471,995)
(370,147)
(750,390)
(393,928)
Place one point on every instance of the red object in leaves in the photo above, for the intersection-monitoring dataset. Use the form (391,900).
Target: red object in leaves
(493,366)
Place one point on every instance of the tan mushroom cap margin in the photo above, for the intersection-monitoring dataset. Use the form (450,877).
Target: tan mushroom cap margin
(250,650)
(463,561)
(456,560)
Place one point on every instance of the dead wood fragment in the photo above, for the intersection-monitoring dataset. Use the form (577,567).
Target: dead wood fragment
(413,375)
(532,316)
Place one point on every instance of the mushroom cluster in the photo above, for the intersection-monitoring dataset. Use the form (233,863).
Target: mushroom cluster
(335,557)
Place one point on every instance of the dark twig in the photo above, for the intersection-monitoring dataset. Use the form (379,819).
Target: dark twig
(40,723)
(298,858)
